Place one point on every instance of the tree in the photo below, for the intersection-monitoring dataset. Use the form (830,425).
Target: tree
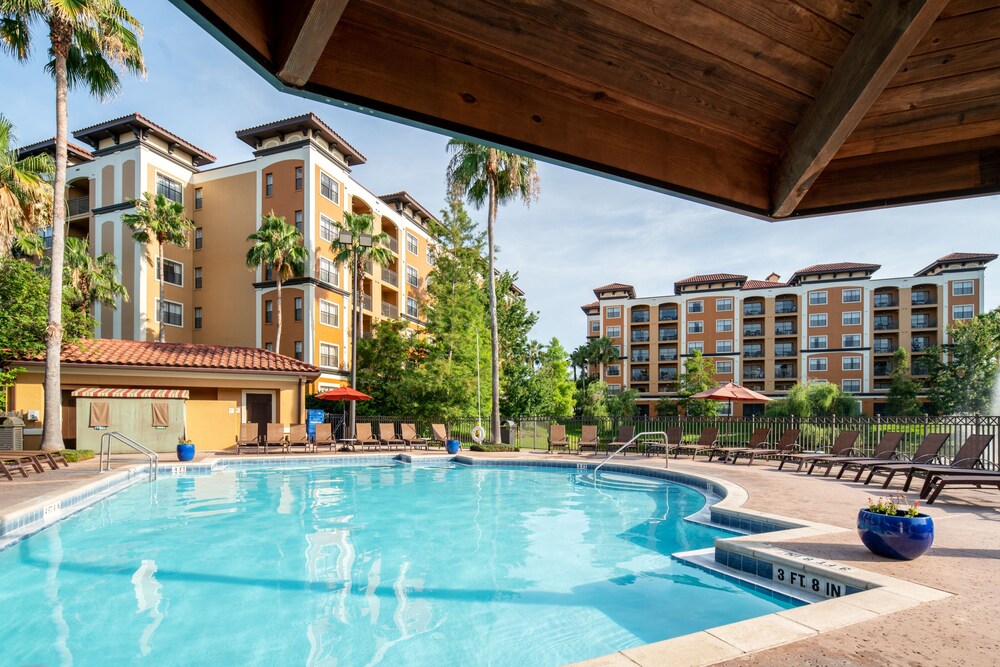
(278,246)
(963,375)
(88,39)
(385,364)
(552,377)
(594,401)
(159,219)
(577,358)
(814,399)
(487,175)
(89,280)
(25,193)
(698,376)
(514,323)
(902,397)
(602,351)
(622,404)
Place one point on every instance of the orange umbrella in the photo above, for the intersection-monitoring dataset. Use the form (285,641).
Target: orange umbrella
(343,394)
(732,392)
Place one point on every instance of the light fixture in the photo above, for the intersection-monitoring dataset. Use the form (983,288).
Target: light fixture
(346,237)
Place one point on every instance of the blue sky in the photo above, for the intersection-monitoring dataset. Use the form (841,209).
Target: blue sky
(584,231)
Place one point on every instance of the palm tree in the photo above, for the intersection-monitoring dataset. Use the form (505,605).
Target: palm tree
(160,219)
(25,193)
(577,358)
(88,39)
(602,351)
(487,175)
(278,246)
(91,279)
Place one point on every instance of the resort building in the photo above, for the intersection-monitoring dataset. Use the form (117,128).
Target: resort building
(832,322)
(300,169)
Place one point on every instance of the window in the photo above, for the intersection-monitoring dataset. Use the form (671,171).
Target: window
(411,276)
(618,350)
(696,306)
(722,305)
(298,309)
(817,298)
(411,306)
(197,277)
(817,342)
(298,178)
(614,370)
(613,312)
(595,326)
(723,367)
(614,332)
(173,273)
(724,346)
(851,318)
(197,318)
(268,312)
(268,185)
(851,386)
(298,221)
(327,229)
(268,273)
(411,244)
(173,313)
(817,364)
(328,271)
(723,326)
(640,355)
(817,320)
(269,347)
(298,350)
(696,326)
(851,340)
(430,254)
(197,238)
(169,188)
(850,363)
(695,345)
(197,199)
(962,288)
(329,355)
(329,188)
(851,296)
(784,350)
(960,313)
(329,313)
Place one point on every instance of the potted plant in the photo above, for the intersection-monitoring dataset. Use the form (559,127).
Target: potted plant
(185,449)
(895,529)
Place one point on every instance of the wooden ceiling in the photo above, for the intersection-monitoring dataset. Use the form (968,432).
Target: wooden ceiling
(772,108)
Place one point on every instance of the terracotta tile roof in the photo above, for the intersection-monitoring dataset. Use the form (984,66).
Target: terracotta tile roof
(955,257)
(613,287)
(49,146)
(142,121)
(406,197)
(835,267)
(104,352)
(587,306)
(711,278)
(311,120)
(762,284)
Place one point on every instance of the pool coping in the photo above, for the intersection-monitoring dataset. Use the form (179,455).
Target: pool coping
(746,557)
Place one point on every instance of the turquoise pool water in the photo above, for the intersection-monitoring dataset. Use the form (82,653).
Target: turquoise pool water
(364,565)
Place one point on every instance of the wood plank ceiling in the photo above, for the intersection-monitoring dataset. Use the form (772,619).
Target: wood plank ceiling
(773,109)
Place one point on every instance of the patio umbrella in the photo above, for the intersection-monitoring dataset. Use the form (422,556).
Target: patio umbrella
(343,394)
(732,392)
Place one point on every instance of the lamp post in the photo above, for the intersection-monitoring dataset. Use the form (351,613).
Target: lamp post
(357,243)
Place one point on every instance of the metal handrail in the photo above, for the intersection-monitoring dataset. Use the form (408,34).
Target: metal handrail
(627,444)
(104,462)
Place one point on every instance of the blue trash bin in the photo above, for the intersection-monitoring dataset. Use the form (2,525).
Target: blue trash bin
(453,446)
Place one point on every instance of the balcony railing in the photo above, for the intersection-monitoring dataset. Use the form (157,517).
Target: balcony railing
(750,354)
(884,349)
(389,310)
(390,276)
(885,325)
(749,374)
(785,307)
(922,323)
(668,377)
(640,336)
(753,332)
(78,206)
(753,309)
(787,351)
(921,299)
(920,344)
(668,357)
(881,370)
(667,335)
(640,358)
(884,301)
(780,330)
(668,315)
(783,374)
(640,377)
(640,317)
(366,302)
(392,244)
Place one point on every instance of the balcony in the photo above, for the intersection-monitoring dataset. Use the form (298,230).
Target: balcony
(920,344)
(640,317)
(883,370)
(884,347)
(784,373)
(668,335)
(784,351)
(640,358)
(668,376)
(885,301)
(753,309)
(785,307)
(668,356)
(389,310)
(389,276)
(78,206)
(366,302)
(922,299)
(640,336)
(392,244)
(668,315)
(752,353)
(885,324)
(753,374)
(784,329)
(640,377)
(756,331)
(920,322)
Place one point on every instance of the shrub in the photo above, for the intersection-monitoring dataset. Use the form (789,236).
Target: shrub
(74,455)
(487,447)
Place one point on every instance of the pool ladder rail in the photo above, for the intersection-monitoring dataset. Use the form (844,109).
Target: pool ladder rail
(646,436)
(104,460)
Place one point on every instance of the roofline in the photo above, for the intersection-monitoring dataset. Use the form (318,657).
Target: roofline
(138,119)
(871,268)
(350,151)
(406,196)
(938,262)
(179,369)
(41,146)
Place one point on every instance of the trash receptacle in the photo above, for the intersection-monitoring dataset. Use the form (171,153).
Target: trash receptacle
(11,434)
(508,432)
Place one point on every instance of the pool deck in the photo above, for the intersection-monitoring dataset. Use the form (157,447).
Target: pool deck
(959,629)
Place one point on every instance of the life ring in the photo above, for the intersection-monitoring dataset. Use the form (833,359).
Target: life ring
(478,434)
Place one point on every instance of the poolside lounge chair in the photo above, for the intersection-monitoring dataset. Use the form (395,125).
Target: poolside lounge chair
(249,437)
(884,451)
(588,438)
(758,439)
(298,436)
(842,447)
(928,452)
(364,437)
(408,432)
(787,444)
(675,438)
(625,433)
(976,478)
(708,439)
(557,438)
(439,435)
(275,436)
(968,457)
(324,437)
(18,463)
(51,459)
(387,435)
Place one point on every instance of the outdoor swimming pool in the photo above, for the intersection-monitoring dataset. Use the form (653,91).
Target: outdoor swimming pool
(386,564)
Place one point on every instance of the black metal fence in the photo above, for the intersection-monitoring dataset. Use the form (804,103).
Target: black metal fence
(815,433)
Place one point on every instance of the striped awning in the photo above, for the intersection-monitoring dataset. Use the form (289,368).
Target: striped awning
(101,392)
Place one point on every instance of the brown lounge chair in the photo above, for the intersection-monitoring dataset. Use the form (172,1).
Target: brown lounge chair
(588,438)
(708,439)
(788,444)
(51,459)
(275,437)
(324,437)
(928,452)
(625,433)
(298,436)
(439,435)
(968,457)
(884,451)
(675,438)
(19,463)
(976,478)
(842,447)
(249,437)
(557,438)
(758,440)
(364,437)
(408,432)
(387,435)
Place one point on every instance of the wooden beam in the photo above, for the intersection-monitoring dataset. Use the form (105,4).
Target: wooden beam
(303,39)
(873,56)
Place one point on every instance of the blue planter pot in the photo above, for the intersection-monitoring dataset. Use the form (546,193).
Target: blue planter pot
(900,536)
(453,446)
(185,452)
